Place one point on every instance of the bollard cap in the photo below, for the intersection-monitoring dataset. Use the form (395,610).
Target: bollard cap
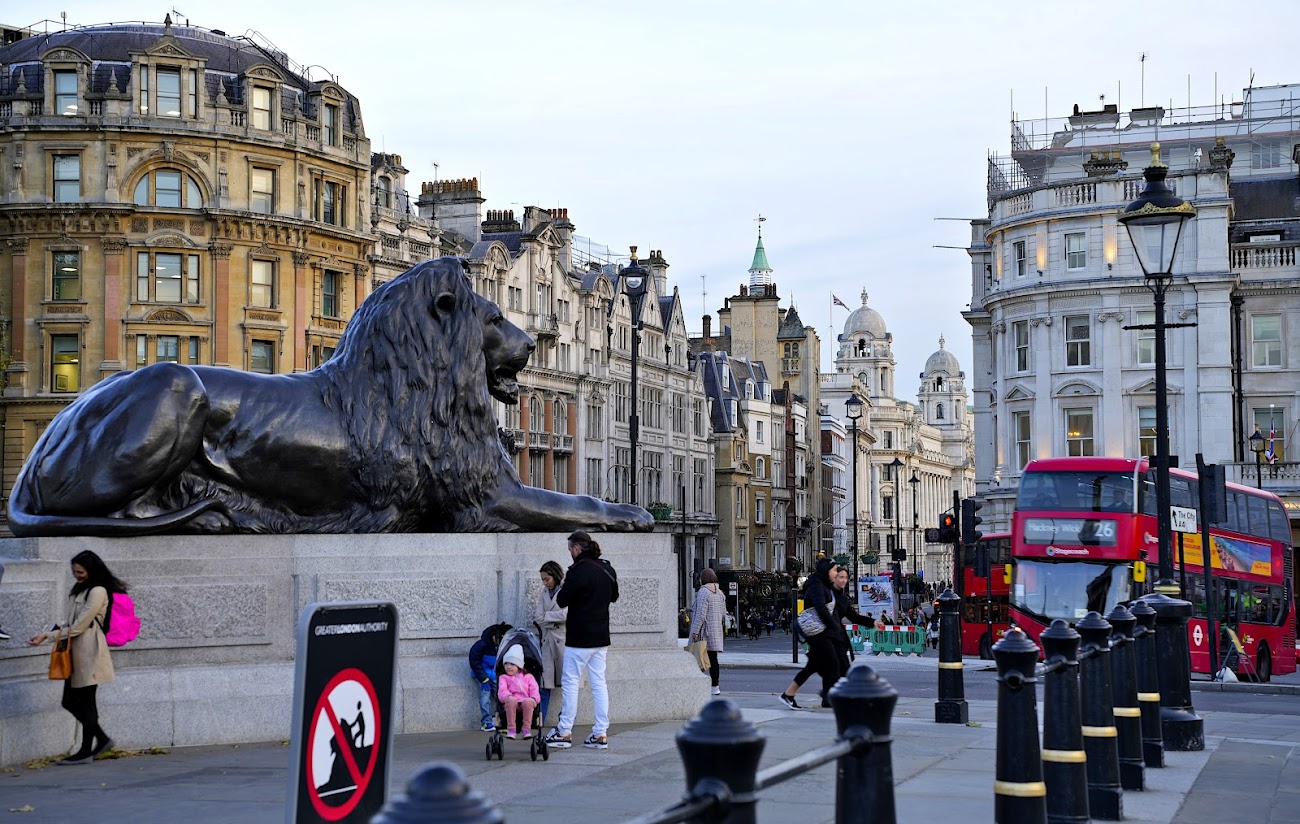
(1168,609)
(1144,614)
(863,698)
(719,721)
(439,792)
(1122,620)
(949,601)
(1060,641)
(1095,630)
(1016,656)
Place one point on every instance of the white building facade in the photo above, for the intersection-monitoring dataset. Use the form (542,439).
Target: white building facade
(1055,283)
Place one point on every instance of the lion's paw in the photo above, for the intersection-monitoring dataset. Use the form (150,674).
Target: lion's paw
(630,518)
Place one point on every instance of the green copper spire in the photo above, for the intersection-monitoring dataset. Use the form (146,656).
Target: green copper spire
(760,273)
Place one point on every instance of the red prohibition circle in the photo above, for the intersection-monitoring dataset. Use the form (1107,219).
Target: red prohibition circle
(362,780)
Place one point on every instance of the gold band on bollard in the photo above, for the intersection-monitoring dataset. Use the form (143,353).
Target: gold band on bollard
(1065,756)
(1100,732)
(950,665)
(1020,789)
(1128,712)
(1149,696)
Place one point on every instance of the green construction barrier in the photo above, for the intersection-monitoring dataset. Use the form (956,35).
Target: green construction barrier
(898,640)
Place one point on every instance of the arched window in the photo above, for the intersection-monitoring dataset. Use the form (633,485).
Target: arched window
(560,418)
(536,415)
(384,193)
(170,188)
(862,347)
(760,468)
(938,411)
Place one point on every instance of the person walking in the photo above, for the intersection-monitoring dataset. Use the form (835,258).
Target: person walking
(88,604)
(590,586)
(844,610)
(549,618)
(707,617)
(818,595)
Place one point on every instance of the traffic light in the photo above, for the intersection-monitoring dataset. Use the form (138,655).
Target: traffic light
(969,520)
(947,529)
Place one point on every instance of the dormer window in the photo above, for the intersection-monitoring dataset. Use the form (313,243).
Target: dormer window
(330,125)
(65,93)
(261,108)
(384,193)
(169,91)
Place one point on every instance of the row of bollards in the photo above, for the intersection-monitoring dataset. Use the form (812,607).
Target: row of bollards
(720,752)
(1101,720)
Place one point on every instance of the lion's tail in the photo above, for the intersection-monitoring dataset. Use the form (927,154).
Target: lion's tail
(24,524)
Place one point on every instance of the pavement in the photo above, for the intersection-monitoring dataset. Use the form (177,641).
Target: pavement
(1249,770)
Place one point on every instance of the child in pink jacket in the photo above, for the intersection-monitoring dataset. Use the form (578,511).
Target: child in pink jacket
(518,691)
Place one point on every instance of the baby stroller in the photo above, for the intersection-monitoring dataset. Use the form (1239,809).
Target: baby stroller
(533,666)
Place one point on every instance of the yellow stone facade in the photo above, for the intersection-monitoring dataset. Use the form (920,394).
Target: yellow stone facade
(169,194)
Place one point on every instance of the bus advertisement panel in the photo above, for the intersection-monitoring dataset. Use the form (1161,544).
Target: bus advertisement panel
(1081,524)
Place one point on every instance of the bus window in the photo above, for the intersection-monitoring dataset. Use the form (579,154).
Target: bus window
(1148,494)
(1279,527)
(1196,594)
(1236,511)
(1182,492)
(1258,510)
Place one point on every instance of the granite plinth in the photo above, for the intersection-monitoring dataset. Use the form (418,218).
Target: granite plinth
(214,661)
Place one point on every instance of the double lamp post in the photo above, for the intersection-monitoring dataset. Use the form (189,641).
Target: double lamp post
(1155,222)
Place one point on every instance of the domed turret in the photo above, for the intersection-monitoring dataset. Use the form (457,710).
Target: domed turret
(943,362)
(864,320)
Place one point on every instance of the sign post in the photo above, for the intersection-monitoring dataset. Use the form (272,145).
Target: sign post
(342,712)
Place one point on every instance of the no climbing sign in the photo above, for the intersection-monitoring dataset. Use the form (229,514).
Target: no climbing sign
(342,720)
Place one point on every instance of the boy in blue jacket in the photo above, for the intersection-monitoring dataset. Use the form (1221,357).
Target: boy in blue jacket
(482,663)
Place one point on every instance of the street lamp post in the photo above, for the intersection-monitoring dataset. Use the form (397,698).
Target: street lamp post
(634,284)
(916,523)
(853,410)
(1257,446)
(894,565)
(1155,222)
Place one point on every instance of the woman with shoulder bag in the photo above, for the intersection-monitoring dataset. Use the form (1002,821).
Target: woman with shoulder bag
(91,664)
(710,606)
(549,619)
(818,595)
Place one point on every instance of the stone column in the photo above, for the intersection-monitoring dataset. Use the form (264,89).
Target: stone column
(525,426)
(18,309)
(574,407)
(221,304)
(301,275)
(113,247)
(548,457)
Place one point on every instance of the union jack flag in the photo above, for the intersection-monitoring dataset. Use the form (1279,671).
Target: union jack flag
(1270,454)
(839,302)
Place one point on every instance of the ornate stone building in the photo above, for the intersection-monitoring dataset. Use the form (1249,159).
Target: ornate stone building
(1055,286)
(931,439)
(170,194)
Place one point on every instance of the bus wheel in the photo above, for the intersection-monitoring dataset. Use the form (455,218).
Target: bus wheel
(986,647)
(1264,665)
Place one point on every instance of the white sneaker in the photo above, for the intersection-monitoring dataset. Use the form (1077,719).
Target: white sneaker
(556,741)
(717,691)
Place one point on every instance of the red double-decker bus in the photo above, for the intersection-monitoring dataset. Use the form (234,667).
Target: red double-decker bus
(1081,523)
(984,616)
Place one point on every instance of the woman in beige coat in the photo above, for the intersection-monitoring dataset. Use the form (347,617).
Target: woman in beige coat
(549,619)
(706,621)
(91,664)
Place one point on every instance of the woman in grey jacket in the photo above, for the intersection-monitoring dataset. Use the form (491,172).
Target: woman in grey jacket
(706,621)
(549,618)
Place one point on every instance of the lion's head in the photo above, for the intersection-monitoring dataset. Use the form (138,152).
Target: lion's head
(413,380)
(506,348)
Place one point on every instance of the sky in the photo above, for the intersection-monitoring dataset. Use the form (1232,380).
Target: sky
(858,130)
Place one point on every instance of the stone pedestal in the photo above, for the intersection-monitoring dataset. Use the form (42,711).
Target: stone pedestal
(214,662)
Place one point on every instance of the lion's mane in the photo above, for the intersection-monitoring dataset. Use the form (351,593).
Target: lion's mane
(410,386)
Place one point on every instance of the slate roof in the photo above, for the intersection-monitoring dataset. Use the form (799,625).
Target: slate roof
(514,241)
(791,326)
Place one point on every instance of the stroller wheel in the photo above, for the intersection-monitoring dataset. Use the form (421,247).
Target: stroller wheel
(532,751)
(501,752)
(546,751)
(489,751)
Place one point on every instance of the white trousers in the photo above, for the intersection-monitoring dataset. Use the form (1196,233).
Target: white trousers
(593,660)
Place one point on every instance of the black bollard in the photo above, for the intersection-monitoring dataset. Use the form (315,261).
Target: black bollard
(864,783)
(1105,798)
(720,752)
(951,708)
(1180,727)
(1065,769)
(439,792)
(1019,794)
(1124,696)
(1148,683)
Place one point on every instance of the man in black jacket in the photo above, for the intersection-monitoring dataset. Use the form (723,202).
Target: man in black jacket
(590,586)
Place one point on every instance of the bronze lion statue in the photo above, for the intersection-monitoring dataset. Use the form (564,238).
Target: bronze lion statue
(395,433)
